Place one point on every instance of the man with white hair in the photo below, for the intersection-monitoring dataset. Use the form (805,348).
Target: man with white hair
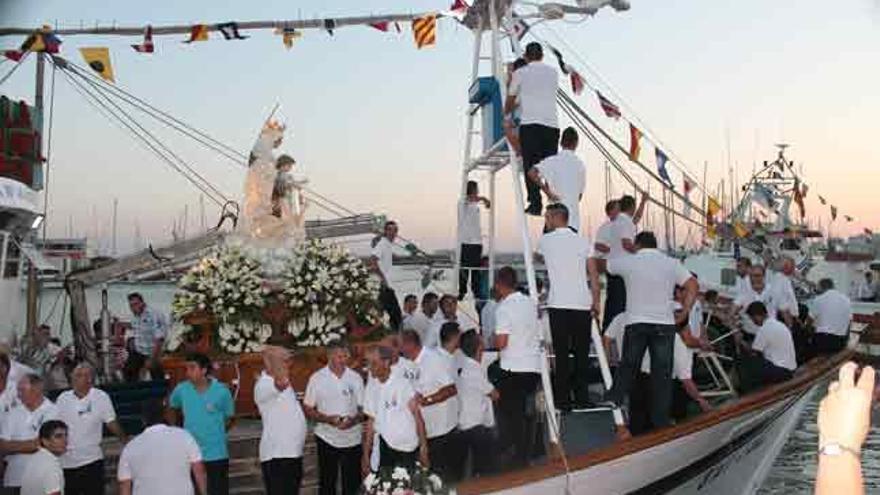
(85,410)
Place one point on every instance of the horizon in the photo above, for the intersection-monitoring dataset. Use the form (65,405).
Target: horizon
(396,134)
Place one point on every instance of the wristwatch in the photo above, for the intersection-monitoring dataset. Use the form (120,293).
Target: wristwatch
(835,449)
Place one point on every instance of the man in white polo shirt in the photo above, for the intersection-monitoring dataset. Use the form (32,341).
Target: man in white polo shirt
(448,314)
(471,238)
(394,417)
(743,267)
(650,277)
(334,396)
(831,312)
(534,88)
(85,410)
(757,290)
(382,261)
(284,425)
(476,416)
(786,301)
(570,305)
(438,400)
(518,339)
(18,433)
(775,344)
(43,474)
(162,459)
(623,233)
(563,177)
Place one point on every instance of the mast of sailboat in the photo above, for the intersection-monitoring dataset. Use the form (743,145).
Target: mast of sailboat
(113,251)
(32,282)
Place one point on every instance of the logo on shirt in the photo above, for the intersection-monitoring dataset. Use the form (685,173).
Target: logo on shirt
(85,410)
(412,374)
(390,404)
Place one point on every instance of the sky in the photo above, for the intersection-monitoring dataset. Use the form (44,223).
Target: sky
(379,126)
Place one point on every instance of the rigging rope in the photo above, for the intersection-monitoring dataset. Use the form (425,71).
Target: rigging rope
(14,67)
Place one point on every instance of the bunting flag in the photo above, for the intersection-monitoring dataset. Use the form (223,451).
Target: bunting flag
(198,32)
(804,189)
(740,230)
(147,45)
(833,213)
(519,29)
(712,207)
(661,166)
(288,36)
(329,26)
(848,218)
(610,109)
(459,8)
(41,41)
(98,58)
(229,30)
(711,231)
(635,146)
(381,26)
(688,186)
(798,197)
(577,83)
(14,55)
(822,200)
(869,232)
(425,31)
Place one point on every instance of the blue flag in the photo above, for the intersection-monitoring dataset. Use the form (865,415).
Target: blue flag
(661,166)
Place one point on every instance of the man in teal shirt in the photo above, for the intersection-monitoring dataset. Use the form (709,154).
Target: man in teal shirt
(207,414)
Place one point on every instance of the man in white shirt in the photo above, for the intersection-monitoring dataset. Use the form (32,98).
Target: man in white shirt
(284,425)
(775,344)
(382,261)
(621,241)
(476,416)
(422,320)
(571,304)
(8,389)
(438,401)
(518,339)
(831,312)
(786,301)
(758,290)
(394,418)
(162,459)
(334,397)
(563,177)
(86,411)
(743,267)
(448,314)
(650,278)
(534,88)
(867,289)
(487,319)
(471,238)
(149,327)
(410,306)
(18,433)
(43,474)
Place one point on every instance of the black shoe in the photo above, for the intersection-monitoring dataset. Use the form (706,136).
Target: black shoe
(534,210)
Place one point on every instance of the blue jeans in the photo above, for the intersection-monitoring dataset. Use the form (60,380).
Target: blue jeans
(658,340)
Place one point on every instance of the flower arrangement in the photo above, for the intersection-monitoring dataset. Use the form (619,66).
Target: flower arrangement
(324,286)
(403,481)
(229,285)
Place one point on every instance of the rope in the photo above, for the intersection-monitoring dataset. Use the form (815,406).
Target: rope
(14,67)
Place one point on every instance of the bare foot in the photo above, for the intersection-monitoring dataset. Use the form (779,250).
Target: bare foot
(622,433)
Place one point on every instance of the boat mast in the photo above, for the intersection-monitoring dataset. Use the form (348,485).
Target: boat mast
(32,282)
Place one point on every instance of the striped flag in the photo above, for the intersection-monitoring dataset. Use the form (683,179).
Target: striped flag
(740,229)
(833,213)
(147,45)
(230,31)
(425,31)
(610,109)
(577,82)
(198,32)
(712,207)
(635,145)
(41,41)
(661,166)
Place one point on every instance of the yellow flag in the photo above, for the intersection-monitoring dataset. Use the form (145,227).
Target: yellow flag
(711,231)
(740,230)
(712,207)
(425,30)
(98,58)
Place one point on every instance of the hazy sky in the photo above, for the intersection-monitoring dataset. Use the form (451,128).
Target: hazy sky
(379,125)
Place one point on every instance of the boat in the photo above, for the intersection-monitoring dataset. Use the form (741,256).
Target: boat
(726,451)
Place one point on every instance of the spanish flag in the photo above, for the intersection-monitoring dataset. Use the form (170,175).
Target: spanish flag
(198,32)
(425,30)
(635,146)
(98,58)
(712,207)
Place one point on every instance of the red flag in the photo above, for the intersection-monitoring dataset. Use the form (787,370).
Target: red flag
(459,7)
(14,55)
(147,45)
(381,26)
(635,136)
(610,109)
(577,82)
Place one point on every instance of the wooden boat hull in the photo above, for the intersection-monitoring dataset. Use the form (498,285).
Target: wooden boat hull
(727,451)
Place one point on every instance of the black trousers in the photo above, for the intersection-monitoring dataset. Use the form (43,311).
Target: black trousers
(770,373)
(570,329)
(332,460)
(218,476)
(658,340)
(615,299)
(640,401)
(470,258)
(135,362)
(388,302)
(389,457)
(85,480)
(478,443)
(516,413)
(825,343)
(444,452)
(282,476)
(537,142)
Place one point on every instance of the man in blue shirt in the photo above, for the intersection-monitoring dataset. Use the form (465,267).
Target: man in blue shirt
(207,414)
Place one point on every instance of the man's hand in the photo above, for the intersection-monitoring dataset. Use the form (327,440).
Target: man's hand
(494,395)
(365,464)
(845,413)
(415,403)
(594,308)
(551,195)
(424,459)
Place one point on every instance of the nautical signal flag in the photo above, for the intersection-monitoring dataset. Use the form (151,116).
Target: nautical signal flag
(869,232)
(833,213)
(198,32)
(822,200)
(635,145)
(425,30)
(459,9)
(520,28)
(661,166)
(577,82)
(14,55)
(712,207)
(229,30)
(610,109)
(329,26)
(98,59)
(147,45)
(848,218)
(288,36)
(688,187)
(799,197)
(41,41)
(384,26)
(740,230)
